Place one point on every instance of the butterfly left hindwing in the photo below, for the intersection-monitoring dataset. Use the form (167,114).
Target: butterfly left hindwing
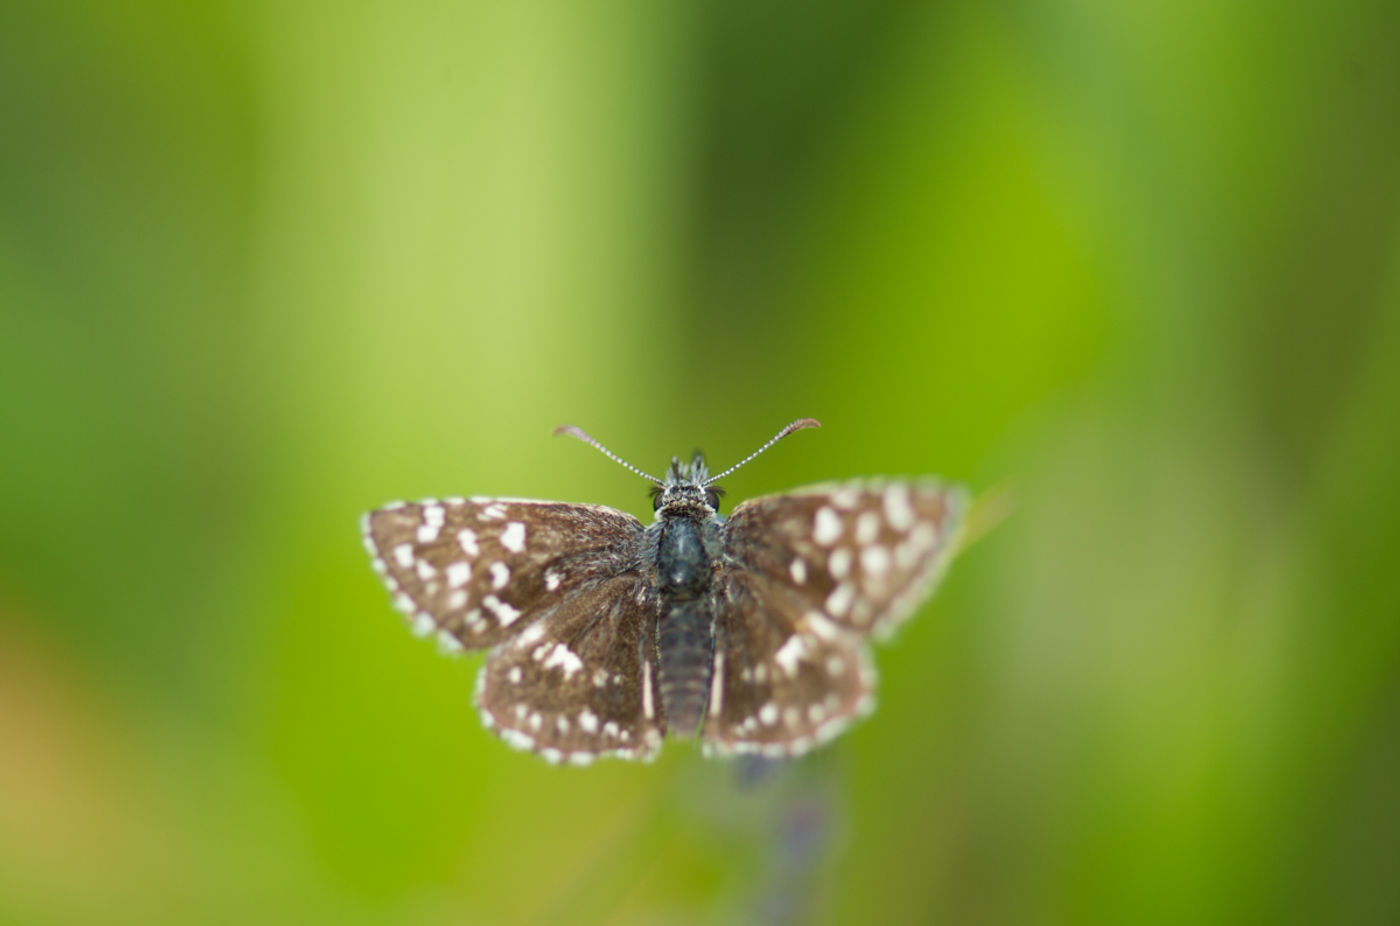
(581,681)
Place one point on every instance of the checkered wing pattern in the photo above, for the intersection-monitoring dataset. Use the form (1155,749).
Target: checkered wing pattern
(806,577)
(559,591)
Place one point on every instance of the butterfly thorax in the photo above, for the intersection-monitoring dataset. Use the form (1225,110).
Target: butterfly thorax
(685,530)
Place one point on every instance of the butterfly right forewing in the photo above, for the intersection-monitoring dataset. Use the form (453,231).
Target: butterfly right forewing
(862,554)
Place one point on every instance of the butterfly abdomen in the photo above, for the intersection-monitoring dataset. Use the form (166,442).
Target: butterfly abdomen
(685,648)
(685,632)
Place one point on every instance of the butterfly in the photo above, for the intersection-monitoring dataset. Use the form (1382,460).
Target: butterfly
(748,632)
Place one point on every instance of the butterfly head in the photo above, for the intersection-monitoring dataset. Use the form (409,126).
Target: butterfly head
(688,487)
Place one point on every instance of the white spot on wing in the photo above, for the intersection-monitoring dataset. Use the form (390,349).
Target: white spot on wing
(403,555)
(867,527)
(898,509)
(565,658)
(588,721)
(826,528)
(457,600)
(821,626)
(791,653)
(768,713)
(504,612)
(717,685)
(458,574)
(513,537)
(467,538)
(423,625)
(517,740)
(551,580)
(427,533)
(798,569)
(839,601)
(846,497)
(500,575)
(425,569)
(924,537)
(840,563)
(875,560)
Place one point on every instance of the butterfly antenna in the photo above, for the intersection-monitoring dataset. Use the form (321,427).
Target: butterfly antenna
(797,425)
(584,436)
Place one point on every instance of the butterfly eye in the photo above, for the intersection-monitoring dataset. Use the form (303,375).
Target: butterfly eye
(656,501)
(712,499)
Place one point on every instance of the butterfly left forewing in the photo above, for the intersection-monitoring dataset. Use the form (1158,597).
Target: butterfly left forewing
(475,571)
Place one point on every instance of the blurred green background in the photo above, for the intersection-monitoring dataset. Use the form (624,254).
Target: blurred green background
(1130,270)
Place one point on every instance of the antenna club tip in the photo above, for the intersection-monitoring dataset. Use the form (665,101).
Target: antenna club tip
(572,430)
(802,423)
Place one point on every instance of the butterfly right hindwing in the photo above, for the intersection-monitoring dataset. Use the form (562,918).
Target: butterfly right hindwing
(785,679)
